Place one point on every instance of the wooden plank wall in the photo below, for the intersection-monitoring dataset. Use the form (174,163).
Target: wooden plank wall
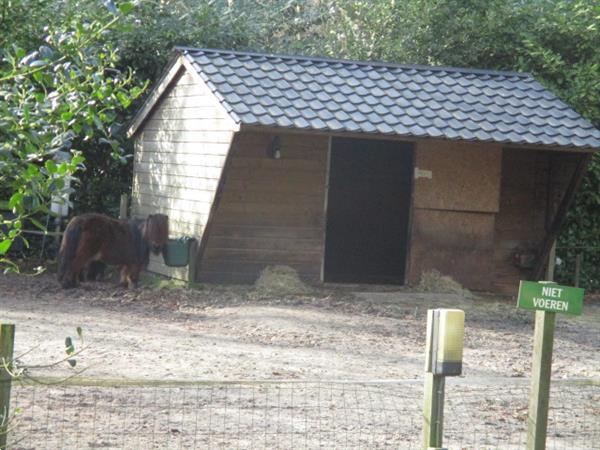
(533,184)
(271,211)
(179,157)
(454,211)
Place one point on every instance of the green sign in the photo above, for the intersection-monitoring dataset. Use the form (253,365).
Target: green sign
(550,297)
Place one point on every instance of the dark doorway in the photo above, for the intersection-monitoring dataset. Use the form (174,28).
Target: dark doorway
(368,206)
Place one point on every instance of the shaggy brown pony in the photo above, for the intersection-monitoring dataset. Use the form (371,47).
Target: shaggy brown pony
(126,243)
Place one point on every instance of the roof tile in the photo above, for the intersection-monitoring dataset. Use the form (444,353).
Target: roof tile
(390,99)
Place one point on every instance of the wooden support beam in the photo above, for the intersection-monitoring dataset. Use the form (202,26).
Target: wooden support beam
(560,216)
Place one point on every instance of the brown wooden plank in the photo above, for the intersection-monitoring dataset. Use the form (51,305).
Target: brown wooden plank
(264,206)
(239,231)
(299,219)
(275,184)
(252,267)
(311,165)
(277,197)
(288,244)
(229,277)
(288,177)
(267,256)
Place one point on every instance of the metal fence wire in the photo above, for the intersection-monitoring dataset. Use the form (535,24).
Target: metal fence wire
(579,266)
(293,415)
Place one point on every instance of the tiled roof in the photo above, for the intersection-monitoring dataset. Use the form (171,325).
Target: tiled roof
(363,97)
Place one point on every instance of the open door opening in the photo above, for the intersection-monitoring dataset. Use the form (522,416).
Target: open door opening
(368,205)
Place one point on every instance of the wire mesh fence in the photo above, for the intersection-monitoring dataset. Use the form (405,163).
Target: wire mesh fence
(292,415)
(579,266)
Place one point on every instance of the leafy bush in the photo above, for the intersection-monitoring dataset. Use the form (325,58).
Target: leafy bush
(57,101)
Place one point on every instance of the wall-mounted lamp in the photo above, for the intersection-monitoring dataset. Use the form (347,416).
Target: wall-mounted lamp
(274,148)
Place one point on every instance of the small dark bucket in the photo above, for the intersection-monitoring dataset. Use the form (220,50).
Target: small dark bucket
(176,252)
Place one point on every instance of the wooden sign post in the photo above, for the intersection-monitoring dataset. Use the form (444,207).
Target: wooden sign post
(546,298)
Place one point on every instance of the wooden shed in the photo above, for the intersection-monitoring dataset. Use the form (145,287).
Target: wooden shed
(357,172)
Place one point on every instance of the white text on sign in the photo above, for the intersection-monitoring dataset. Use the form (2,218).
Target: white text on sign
(551,304)
(551,292)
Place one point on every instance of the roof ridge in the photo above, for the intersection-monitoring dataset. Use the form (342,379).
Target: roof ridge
(420,67)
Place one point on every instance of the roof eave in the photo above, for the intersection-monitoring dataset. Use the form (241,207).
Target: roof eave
(413,138)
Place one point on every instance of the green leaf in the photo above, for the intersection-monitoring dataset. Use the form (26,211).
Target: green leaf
(70,348)
(78,159)
(15,199)
(50,166)
(5,246)
(123,99)
(125,7)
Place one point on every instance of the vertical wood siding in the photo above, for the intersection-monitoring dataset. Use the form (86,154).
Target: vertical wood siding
(270,211)
(179,156)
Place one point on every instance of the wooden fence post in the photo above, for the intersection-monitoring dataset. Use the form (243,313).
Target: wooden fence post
(578,260)
(193,261)
(551,263)
(123,206)
(7,342)
(433,411)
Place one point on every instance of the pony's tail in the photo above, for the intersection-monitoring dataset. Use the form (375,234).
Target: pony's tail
(68,248)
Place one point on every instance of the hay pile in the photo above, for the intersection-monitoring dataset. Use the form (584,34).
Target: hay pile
(434,281)
(280,281)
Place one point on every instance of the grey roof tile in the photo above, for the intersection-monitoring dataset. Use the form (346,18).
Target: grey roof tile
(384,98)
(300,122)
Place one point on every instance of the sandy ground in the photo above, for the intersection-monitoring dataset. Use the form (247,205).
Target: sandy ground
(217,333)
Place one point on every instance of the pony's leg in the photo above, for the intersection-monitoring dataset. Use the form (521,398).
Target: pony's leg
(124,276)
(134,275)
(74,272)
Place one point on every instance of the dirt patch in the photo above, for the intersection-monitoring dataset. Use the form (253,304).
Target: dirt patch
(225,333)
